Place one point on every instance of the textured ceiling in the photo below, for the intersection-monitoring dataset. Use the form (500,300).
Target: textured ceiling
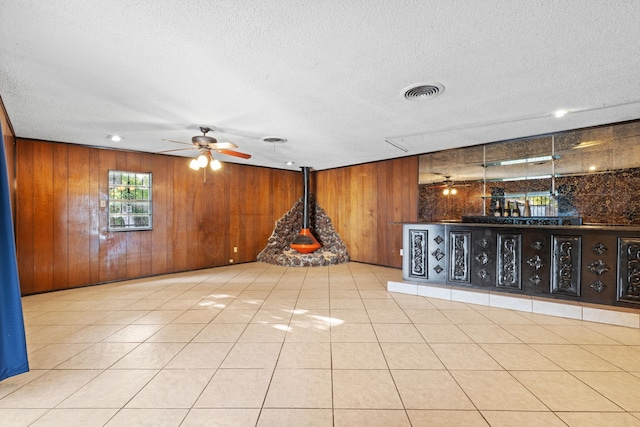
(326,75)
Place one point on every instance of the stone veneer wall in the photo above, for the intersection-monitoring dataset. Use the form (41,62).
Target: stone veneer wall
(278,251)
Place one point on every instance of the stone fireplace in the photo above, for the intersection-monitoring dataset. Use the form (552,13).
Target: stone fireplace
(279,252)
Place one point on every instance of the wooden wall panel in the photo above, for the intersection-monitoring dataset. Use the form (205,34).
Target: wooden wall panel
(201,223)
(61,212)
(79,223)
(261,212)
(387,206)
(10,154)
(43,218)
(96,213)
(234,214)
(161,234)
(219,195)
(367,204)
(181,214)
(255,232)
(369,230)
(265,195)
(25,249)
(108,250)
(285,190)
(62,230)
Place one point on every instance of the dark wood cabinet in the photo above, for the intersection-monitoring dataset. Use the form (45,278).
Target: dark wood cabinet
(591,264)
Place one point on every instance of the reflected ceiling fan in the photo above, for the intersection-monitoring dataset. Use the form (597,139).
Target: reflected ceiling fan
(449,186)
(206,144)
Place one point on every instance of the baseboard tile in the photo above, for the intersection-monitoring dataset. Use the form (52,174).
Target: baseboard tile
(568,309)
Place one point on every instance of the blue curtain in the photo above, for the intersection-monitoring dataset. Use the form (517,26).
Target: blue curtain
(13,345)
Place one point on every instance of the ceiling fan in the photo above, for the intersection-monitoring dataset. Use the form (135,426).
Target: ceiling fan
(449,186)
(205,144)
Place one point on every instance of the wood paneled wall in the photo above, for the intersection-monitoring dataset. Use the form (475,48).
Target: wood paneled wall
(367,205)
(61,230)
(9,149)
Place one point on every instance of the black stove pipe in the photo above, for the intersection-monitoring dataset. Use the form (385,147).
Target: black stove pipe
(305,211)
(305,242)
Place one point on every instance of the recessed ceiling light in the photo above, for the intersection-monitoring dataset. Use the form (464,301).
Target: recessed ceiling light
(560,113)
(592,168)
(289,163)
(115,138)
(422,91)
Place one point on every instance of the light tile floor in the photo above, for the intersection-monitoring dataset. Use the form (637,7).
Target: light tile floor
(255,344)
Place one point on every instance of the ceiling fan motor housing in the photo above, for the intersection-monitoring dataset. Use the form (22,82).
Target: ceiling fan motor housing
(203,140)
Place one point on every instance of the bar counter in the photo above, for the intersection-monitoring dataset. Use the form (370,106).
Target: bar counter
(585,263)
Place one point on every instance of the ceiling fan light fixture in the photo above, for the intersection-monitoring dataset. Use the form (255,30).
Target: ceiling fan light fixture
(215,164)
(206,145)
(202,161)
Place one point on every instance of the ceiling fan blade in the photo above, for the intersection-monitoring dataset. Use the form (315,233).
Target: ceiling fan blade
(177,149)
(233,153)
(226,130)
(449,185)
(223,145)
(177,142)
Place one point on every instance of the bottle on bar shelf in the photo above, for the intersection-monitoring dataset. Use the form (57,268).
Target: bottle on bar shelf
(498,211)
(516,209)
(527,208)
(507,210)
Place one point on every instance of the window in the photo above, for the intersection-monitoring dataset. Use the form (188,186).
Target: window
(129,201)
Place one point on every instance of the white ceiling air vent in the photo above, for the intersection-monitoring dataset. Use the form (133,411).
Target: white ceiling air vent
(421,91)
